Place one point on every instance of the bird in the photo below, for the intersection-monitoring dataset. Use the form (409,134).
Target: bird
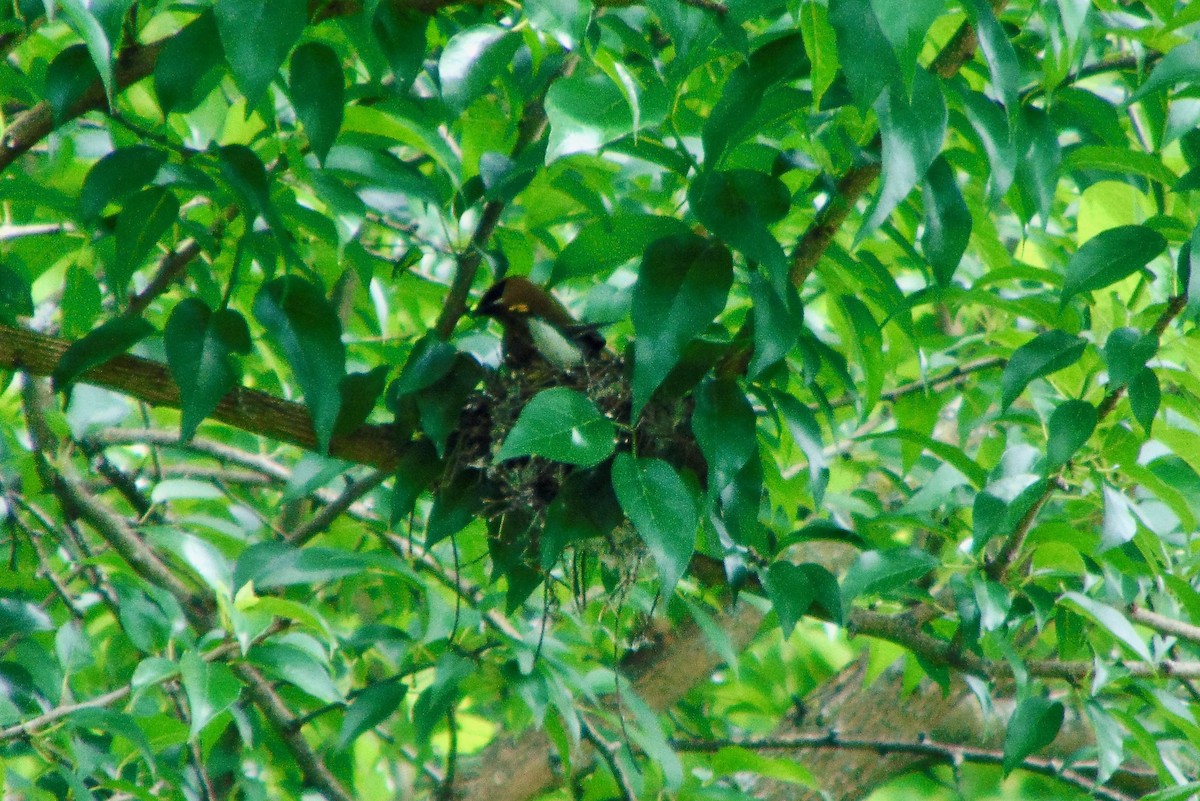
(537,326)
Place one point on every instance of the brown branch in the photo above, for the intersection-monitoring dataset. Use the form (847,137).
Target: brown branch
(173,265)
(277,713)
(950,753)
(246,409)
(522,767)
(324,519)
(1164,624)
(216,450)
(110,526)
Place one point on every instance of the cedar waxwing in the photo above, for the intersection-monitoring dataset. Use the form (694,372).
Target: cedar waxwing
(537,325)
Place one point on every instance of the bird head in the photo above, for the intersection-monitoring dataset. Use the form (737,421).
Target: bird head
(534,320)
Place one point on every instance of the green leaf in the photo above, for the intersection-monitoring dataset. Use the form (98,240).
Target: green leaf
(116,176)
(70,75)
(1038,159)
(306,327)
(877,572)
(608,242)
(210,687)
(584,507)
(738,206)
(200,345)
(866,342)
(187,69)
(806,433)
(115,723)
(110,339)
(732,119)
(247,175)
(1126,352)
(1110,740)
(1144,397)
(16,297)
(455,506)
(947,221)
(912,132)
(317,87)
(997,51)
(663,511)
(990,124)
(1110,256)
(401,36)
(735,761)
(1181,65)
(1041,356)
(1119,523)
(1113,621)
(280,564)
(147,216)
(415,471)
(564,20)
(1070,426)
(297,666)
(375,704)
(437,699)
(471,60)
(778,323)
(587,111)
(682,285)
(359,393)
(905,25)
(428,362)
(257,36)
(562,425)
(865,54)
(1120,160)
(98,23)
(820,43)
(791,593)
(1033,726)
(724,424)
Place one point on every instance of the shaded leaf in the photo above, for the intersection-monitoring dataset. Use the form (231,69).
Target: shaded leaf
(663,511)
(146,217)
(257,36)
(947,221)
(1041,356)
(877,572)
(1113,621)
(317,87)
(724,425)
(1033,726)
(1070,426)
(375,704)
(110,339)
(1126,352)
(118,175)
(682,285)
(738,206)
(1110,256)
(200,345)
(306,327)
(1144,397)
(912,131)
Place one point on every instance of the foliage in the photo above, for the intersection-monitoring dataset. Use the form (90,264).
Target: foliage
(900,397)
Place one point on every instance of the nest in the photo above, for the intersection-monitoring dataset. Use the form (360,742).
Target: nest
(519,492)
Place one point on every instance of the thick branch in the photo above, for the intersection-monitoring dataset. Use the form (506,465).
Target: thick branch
(246,409)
